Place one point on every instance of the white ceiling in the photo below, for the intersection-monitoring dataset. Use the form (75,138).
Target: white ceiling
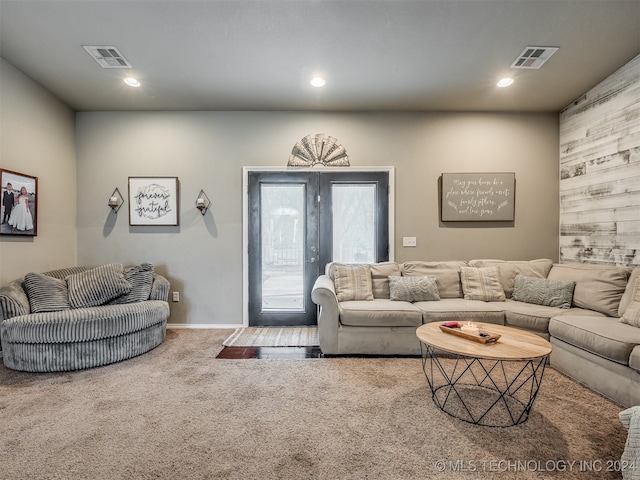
(435,55)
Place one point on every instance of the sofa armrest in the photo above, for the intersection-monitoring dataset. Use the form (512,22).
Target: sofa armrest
(160,288)
(323,294)
(13,300)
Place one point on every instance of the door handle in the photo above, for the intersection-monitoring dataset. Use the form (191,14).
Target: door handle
(312,260)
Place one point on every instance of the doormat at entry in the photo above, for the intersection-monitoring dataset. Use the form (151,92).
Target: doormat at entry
(273,337)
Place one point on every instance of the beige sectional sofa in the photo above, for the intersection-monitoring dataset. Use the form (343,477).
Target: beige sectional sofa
(590,343)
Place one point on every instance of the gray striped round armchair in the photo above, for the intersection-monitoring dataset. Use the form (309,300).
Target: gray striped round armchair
(82,317)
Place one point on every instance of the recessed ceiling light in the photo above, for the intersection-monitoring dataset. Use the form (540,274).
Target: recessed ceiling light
(317,82)
(505,82)
(132,82)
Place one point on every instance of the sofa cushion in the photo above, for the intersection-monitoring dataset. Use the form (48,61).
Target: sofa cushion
(508,269)
(379,313)
(447,275)
(530,316)
(460,310)
(630,291)
(353,282)
(598,287)
(13,300)
(380,273)
(542,291)
(413,289)
(481,284)
(141,278)
(601,336)
(46,294)
(97,286)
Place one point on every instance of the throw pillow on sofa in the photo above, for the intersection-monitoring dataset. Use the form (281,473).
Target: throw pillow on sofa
(141,279)
(629,291)
(353,282)
(45,293)
(481,284)
(413,289)
(630,458)
(631,314)
(541,291)
(97,286)
(508,269)
(380,273)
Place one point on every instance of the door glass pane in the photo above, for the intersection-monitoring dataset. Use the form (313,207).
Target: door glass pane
(282,232)
(354,229)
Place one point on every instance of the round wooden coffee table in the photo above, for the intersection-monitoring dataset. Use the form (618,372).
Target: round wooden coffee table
(491,384)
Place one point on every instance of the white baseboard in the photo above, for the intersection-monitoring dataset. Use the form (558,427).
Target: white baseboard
(202,325)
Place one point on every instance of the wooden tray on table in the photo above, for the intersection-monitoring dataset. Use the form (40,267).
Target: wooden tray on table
(481,337)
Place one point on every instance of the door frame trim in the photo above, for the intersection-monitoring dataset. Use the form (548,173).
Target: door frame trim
(245,216)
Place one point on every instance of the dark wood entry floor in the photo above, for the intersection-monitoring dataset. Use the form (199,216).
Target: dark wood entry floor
(286,353)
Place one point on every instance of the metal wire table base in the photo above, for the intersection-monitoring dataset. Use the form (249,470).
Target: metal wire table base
(492,393)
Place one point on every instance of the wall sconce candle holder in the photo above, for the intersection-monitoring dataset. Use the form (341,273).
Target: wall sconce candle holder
(116,200)
(202,202)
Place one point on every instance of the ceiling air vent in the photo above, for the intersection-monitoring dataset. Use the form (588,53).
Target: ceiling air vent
(107,56)
(533,57)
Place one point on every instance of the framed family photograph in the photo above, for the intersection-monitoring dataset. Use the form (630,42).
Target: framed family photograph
(19,204)
(153,201)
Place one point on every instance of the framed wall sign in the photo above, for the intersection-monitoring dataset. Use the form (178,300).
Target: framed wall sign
(153,201)
(478,197)
(19,204)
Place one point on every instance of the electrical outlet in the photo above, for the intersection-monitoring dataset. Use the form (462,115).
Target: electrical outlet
(176,296)
(408,241)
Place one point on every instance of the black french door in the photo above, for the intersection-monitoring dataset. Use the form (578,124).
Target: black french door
(300,221)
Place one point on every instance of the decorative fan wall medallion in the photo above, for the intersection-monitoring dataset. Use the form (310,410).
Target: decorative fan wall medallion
(318,148)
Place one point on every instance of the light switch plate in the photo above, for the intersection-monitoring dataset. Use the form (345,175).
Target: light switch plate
(176,296)
(408,241)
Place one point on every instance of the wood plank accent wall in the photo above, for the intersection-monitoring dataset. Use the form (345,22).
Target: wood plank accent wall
(600,172)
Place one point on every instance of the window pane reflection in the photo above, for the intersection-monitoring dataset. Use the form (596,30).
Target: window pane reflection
(282,237)
(354,228)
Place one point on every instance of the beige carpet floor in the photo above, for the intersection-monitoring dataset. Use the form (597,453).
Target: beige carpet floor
(177,412)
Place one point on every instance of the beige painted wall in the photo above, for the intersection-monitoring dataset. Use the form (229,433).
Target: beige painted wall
(203,256)
(37,138)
